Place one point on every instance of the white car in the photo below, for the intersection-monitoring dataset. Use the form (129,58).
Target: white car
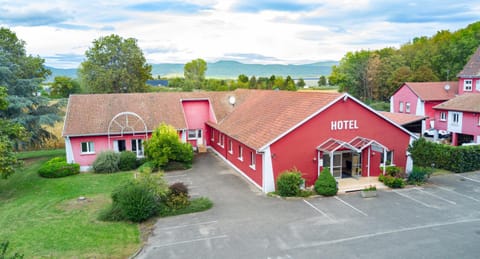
(441,133)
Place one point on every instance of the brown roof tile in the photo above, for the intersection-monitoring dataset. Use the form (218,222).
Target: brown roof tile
(472,68)
(464,102)
(402,118)
(433,91)
(91,114)
(266,115)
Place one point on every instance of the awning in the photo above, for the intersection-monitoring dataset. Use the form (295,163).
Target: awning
(357,144)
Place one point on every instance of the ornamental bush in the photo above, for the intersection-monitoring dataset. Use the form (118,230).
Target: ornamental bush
(326,184)
(106,162)
(392,182)
(128,161)
(134,202)
(178,188)
(419,175)
(288,183)
(165,146)
(58,167)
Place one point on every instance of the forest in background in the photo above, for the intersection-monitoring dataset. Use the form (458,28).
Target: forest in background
(373,75)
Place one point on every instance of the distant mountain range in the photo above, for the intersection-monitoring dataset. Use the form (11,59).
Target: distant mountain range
(229,69)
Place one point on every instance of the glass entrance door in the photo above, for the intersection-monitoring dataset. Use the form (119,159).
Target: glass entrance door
(356,164)
(337,165)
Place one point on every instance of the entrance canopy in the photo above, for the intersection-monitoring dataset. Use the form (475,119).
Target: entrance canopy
(357,144)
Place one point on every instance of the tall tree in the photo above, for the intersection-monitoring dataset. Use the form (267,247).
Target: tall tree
(115,65)
(301,83)
(194,72)
(63,86)
(22,74)
(9,132)
(322,81)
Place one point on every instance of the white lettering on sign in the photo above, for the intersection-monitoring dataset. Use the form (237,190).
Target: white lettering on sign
(343,125)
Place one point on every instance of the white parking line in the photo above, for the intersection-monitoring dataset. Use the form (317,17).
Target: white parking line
(189,241)
(413,199)
(457,193)
(351,206)
(189,225)
(468,178)
(347,239)
(436,196)
(318,210)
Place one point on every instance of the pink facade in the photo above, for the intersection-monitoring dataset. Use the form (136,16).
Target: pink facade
(197,112)
(471,86)
(402,98)
(100,143)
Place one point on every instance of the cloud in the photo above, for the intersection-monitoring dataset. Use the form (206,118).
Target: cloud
(64,60)
(287,6)
(167,6)
(33,17)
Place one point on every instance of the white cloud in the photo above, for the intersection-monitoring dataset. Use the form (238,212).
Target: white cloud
(256,31)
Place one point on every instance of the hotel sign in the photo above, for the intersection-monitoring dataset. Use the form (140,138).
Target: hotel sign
(343,125)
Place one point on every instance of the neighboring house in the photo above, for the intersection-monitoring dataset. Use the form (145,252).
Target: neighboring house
(412,123)
(461,115)
(419,98)
(259,133)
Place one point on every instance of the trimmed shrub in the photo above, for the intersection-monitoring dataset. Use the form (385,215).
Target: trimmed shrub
(288,183)
(106,162)
(147,167)
(419,175)
(392,182)
(326,184)
(134,202)
(177,201)
(128,161)
(58,167)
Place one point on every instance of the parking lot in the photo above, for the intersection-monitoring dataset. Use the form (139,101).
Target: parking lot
(438,220)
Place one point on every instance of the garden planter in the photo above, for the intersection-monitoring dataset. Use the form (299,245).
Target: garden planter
(369,194)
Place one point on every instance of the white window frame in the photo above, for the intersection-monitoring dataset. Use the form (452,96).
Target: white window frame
(389,154)
(468,85)
(400,107)
(252,160)
(407,107)
(456,118)
(221,139)
(477,85)
(213,135)
(195,134)
(443,116)
(138,147)
(240,152)
(230,146)
(478,121)
(90,147)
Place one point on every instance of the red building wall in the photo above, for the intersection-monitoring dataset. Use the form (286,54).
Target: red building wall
(306,138)
(430,112)
(233,156)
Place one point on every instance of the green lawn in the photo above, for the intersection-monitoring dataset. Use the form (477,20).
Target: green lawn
(41,153)
(43,219)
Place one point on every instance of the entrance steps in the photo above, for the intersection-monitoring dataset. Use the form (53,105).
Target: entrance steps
(357,184)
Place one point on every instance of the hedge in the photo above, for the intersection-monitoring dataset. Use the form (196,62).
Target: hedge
(58,167)
(458,159)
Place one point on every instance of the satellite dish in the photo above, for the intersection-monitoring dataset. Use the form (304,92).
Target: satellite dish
(232,100)
(446,87)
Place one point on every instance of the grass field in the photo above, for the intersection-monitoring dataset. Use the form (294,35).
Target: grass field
(42,218)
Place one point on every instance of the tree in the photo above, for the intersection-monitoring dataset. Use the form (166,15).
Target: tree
(289,84)
(22,75)
(194,72)
(164,146)
(8,133)
(252,84)
(63,86)
(322,81)
(115,65)
(301,83)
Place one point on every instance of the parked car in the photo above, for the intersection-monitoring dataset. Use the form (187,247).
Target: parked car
(441,133)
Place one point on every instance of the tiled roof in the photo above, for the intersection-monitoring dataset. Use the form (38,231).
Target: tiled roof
(472,68)
(402,118)
(464,102)
(91,114)
(433,91)
(266,115)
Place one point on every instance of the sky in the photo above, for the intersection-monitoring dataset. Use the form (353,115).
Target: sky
(260,32)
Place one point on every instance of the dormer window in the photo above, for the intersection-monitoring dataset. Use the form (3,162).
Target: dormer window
(467,85)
